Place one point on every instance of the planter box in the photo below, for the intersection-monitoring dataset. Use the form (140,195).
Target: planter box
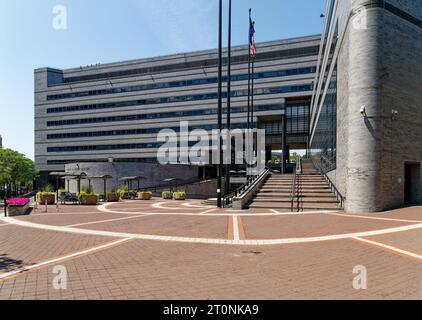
(14,211)
(113,197)
(50,198)
(144,195)
(167,195)
(125,196)
(89,200)
(179,196)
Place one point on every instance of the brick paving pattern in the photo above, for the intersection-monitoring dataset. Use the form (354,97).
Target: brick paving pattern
(146,269)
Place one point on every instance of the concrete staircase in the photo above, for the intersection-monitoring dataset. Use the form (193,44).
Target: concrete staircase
(312,192)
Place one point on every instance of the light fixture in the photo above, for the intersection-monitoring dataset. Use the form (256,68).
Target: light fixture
(363,111)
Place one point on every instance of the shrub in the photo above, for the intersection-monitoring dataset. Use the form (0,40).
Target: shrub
(179,196)
(167,195)
(88,199)
(112,196)
(48,188)
(87,190)
(41,197)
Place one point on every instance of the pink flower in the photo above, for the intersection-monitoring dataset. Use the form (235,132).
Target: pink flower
(17,201)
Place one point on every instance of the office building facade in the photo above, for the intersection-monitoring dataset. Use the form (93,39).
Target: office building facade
(366,110)
(113,112)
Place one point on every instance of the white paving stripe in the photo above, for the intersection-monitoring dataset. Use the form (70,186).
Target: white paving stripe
(208,211)
(371,218)
(109,220)
(386,246)
(236,236)
(228,213)
(67,257)
(211,241)
(190,205)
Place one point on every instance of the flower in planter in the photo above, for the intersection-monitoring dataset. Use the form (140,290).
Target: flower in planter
(18,202)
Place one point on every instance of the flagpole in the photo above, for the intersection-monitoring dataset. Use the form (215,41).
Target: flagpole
(252,103)
(220,109)
(249,87)
(228,166)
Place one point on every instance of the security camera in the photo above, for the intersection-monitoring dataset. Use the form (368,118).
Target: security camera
(395,112)
(363,110)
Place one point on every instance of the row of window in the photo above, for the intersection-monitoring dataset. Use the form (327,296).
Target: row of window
(124,160)
(176,114)
(183,83)
(264,56)
(197,97)
(295,112)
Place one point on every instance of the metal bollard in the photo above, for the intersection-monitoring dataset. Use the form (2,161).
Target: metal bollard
(5,206)
(46,206)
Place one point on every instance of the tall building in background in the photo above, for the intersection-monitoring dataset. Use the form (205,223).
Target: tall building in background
(366,113)
(92,114)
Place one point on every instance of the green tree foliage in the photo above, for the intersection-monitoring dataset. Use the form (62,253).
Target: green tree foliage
(15,169)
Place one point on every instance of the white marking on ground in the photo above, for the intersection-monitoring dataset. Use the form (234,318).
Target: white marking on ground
(236,236)
(211,241)
(104,208)
(104,221)
(386,246)
(190,205)
(67,257)
(371,218)
(208,211)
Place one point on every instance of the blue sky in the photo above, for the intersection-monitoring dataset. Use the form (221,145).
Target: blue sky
(101,31)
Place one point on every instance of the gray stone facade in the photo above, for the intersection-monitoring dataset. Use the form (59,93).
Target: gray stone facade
(154,174)
(380,68)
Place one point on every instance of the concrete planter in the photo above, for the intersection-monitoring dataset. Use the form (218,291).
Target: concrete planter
(144,195)
(89,200)
(113,197)
(50,198)
(14,211)
(179,196)
(167,195)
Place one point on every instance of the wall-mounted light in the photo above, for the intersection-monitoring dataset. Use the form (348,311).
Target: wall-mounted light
(394,114)
(363,111)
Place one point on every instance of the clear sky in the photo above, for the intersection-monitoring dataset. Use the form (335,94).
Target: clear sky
(101,31)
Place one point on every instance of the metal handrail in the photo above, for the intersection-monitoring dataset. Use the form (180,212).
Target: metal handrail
(239,192)
(294,187)
(333,187)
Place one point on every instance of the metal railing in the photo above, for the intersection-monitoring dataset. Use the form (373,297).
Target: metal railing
(293,192)
(333,187)
(242,190)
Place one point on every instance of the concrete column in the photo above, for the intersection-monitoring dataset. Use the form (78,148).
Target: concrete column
(365,131)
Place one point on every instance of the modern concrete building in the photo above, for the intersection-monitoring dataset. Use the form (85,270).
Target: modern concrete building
(366,114)
(113,112)
(352,97)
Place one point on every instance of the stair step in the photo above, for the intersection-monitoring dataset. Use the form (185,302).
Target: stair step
(280,206)
(286,194)
(297,201)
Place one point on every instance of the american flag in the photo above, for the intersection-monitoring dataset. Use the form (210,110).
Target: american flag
(252,45)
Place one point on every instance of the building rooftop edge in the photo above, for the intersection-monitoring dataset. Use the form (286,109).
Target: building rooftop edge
(176,55)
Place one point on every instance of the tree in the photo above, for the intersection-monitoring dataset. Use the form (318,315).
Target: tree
(16,170)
